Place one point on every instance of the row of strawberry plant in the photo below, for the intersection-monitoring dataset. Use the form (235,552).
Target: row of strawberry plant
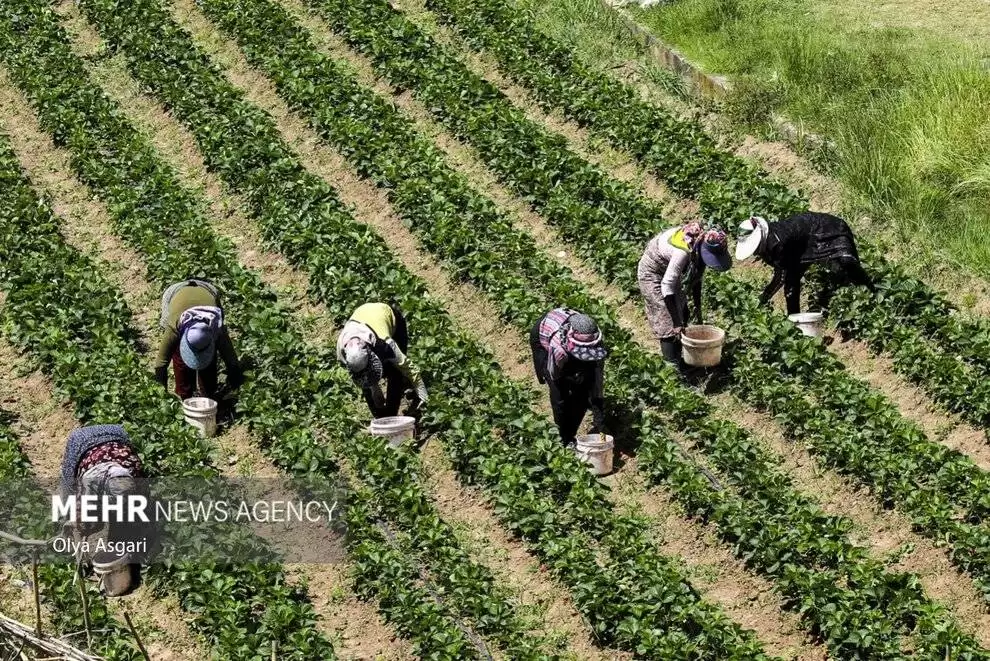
(283,374)
(679,150)
(536,164)
(860,433)
(60,310)
(685,157)
(519,151)
(960,387)
(314,243)
(801,361)
(259,24)
(607,221)
(27,517)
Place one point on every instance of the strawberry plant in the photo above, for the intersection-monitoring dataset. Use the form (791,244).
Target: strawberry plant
(315,246)
(28,518)
(87,347)
(171,236)
(448,236)
(729,190)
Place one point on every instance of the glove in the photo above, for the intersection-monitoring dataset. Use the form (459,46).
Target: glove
(161,375)
(421,393)
(674,310)
(400,357)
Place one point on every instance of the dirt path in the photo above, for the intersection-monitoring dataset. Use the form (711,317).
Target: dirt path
(886,533)
(514,358)
(913,403)
(353,625)
(371,207)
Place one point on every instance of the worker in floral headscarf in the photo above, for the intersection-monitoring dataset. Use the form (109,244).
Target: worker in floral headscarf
(101,460)
(194,337)
(791,245)
(372,345)
(677,255)
(569,356)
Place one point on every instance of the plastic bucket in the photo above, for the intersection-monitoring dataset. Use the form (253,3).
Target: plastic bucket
(114,573)
(201,413)
(810,323)
(397,429)
(596,450)
(701,346)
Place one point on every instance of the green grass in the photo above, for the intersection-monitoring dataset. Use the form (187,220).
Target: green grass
(907,107)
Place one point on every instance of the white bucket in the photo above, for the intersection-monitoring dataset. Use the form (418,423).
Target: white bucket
(114,573)
(701,346)
(201,413)
(397,429)
(810,323)
(596,450)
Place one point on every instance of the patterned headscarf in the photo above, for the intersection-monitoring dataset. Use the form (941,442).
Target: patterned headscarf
(691,232)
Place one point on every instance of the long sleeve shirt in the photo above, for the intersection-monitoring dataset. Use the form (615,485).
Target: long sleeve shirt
(669,259)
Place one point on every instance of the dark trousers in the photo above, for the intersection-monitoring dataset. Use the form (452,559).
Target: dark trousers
(846,270)
(569,402)
(186,378)
(395,382)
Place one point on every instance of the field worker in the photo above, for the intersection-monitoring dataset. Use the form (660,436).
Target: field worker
(100,460)
(195,336)
(569,356)
(792,245)
(677,255)
(372,345)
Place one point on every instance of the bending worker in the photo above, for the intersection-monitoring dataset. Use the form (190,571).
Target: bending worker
(791,245)
(373,345)
(678,254)
(194,336)
(569,356)
(100,460)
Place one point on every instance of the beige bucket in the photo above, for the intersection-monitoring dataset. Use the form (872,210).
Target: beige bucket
(201,413)
(810,323)
(701,346)
(596,450)
(114,573)
(397,429)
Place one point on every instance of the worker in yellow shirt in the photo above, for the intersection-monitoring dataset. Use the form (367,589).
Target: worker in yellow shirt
(372,346)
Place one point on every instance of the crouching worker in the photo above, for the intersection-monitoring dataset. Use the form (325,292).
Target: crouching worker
(194,337)
(569,356)
(100,460)
(791,245)
(678,255)
(372,345)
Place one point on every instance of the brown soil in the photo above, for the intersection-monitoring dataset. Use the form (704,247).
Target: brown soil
(886,533)
(85,218)
(226,211)
(471,515)
(913,403)
(715,572)
(513,354)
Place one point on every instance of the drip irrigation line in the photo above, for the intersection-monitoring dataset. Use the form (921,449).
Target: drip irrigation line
(427,583)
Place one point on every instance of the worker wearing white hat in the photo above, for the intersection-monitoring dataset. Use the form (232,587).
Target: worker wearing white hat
(791,245)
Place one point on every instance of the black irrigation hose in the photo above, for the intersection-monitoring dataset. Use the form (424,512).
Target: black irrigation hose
(468,633)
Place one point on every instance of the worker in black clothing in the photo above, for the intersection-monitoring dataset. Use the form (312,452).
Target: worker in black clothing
(569,356)
(791,245)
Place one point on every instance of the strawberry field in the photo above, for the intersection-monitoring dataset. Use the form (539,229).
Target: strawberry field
(452,158)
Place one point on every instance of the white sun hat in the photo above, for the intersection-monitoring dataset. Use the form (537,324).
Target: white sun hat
(752,232)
